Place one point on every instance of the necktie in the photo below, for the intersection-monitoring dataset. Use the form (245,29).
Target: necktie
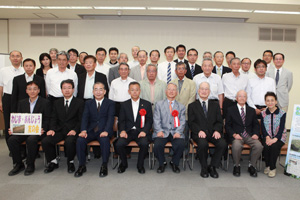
(219,71)
(204,108)
(192,70)
(180,82)
(67,106)
(243,116)
(169,73)
(277,77)
(98,107)
(170,107)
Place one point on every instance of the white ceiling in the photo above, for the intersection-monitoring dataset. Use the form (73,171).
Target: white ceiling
(272,5)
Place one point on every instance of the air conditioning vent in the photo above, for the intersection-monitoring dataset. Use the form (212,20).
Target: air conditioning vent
(49,30)
(277,34)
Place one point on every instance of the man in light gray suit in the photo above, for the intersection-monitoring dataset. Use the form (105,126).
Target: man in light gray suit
(169,124)
(138,72)
(283,80)
(113,72)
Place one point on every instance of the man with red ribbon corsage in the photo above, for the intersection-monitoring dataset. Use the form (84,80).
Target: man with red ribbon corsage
(169,124)
(135,123)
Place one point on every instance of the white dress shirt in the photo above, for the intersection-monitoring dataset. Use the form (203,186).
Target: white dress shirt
(215,83)
(135,109)
(162,71)
(240,108)
(206,103)
(55,77)
(257,88)
(72,67)
(119,89)
(133,63)
(88,88)
(29,78)
(104,69)
(7,74)
(233,84)
(69,101)
(98,102)
(248,73)
(275,71)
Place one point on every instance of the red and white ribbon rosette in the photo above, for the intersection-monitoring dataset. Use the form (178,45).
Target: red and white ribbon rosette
(176,119)
(142,113)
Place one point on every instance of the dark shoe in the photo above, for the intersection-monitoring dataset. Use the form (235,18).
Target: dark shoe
(128,156)
(252,171)
(213,172)
(121,169)
(204,173)
(161,168)
(71,167)
(237,171)
(97,156)
(103,171)
(80,171)
(17,169)
(29,170)
(175,168)
(141,170)
(51,167)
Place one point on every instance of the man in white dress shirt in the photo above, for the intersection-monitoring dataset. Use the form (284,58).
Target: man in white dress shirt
(134,52)
(268,57)
(166,70)
(259,86)
(138,72)
(7,75)
(101,66)
(56,75)
(245,69)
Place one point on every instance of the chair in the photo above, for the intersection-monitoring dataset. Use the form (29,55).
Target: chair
(40,149)
(283,151)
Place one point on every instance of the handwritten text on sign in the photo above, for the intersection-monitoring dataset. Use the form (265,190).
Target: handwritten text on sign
(25,124)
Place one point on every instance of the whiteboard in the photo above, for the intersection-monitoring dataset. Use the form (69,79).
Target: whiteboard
(4,60)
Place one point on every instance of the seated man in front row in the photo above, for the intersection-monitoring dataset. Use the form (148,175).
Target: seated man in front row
(242,127)
(135,122)
(169,124)
(64,125)
(33,104)
(97,124)
(206,124)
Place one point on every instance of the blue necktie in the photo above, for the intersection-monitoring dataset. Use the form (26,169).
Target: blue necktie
(204,108)
(192,70)
(277,77)
(169,73)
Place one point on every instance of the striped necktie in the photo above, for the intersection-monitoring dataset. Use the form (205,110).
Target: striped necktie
(192,70)
(169,73)
(277,77)
(244,134)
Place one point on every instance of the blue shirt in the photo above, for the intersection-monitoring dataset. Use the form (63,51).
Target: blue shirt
(32,105)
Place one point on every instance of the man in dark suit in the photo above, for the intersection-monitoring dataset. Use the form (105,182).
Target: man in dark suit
(135,122)
(181,51)
(97,124)
(34,104)
(192,67)
(64,125)
(242,127)
(219,68)
(87,79)
(73,65)
(19,84)
(206,123)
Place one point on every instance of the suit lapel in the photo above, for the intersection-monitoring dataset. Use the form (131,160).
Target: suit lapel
(200,109)
(238,115)
(36,107)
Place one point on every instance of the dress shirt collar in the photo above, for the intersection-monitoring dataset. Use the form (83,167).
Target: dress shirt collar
(201,101)
(32,104)
(69,100)
(34,100)
(72,66)
(124,81)
(180,60)
(113,63)
(29,77)
(241,70)
(172,104)
(276,112)
(93,75)
(240,108)
(192,65)
(135,102)
(99,102)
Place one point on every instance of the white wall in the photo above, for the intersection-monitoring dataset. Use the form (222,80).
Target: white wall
(88,35)
(3,36)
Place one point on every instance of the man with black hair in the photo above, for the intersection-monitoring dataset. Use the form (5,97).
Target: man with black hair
(113,53)
(73,65)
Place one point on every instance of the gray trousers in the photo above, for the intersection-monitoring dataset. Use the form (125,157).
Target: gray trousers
(237,147)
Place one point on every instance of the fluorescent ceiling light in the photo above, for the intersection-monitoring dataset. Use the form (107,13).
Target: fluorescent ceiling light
(21,7)
(171,8)
(119,8)
(277,12)
(225,10)
(67,7)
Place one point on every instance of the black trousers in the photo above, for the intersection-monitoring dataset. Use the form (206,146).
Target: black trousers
(49,145)
(122,143)
(226,104)
(6,105)
(14,144)
(177,146)
(202,150)
(271,153)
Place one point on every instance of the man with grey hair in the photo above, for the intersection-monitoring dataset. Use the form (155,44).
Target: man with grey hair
(207,54)
(113,72)
(134,52)
(138,72)
(56,75)
(219,68)
(53,52)
(152,89)
(245,69)
(242,127)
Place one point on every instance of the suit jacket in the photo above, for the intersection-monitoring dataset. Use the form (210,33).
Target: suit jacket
(42,106)
(65,122)
(224,71)
(79,69)
(159,90)
(197,70)
(135,73)
(99,77)
(126,117)
(40,72)
(19,89)
(187,93)
(113,73)
(284,85)
(104,119)
(164,121)
(234,122)
(198,122)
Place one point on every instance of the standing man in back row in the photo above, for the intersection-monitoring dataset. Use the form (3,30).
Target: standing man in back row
(166,70)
